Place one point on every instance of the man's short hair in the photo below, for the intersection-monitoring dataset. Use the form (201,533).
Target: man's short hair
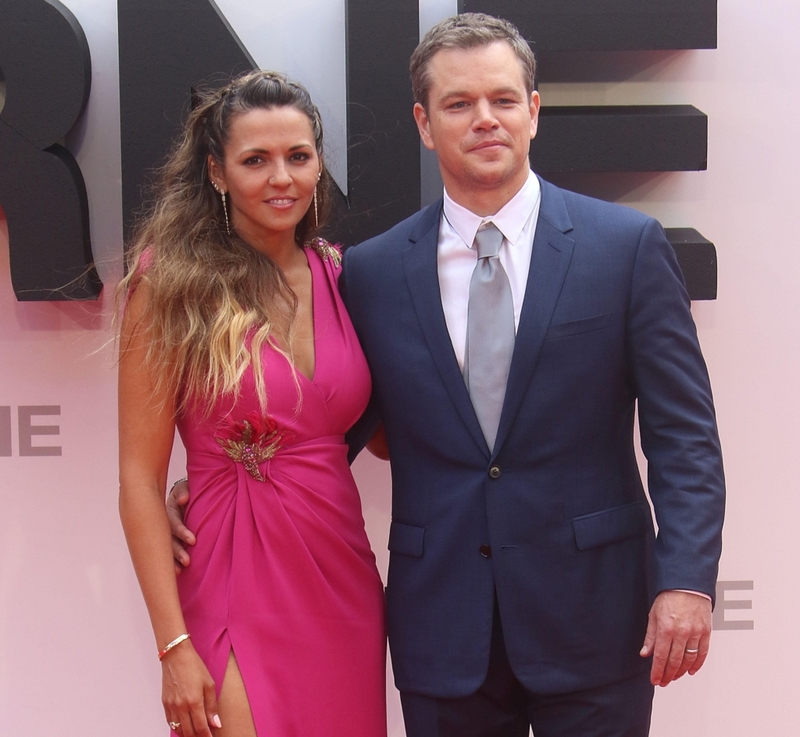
(467,31)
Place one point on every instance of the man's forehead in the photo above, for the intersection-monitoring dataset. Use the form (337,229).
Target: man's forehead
(492,65)
(495,48)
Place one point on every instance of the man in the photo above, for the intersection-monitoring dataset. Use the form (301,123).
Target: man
(523,561)
(526,586)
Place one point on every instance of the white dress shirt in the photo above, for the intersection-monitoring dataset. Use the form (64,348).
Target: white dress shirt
(457,256)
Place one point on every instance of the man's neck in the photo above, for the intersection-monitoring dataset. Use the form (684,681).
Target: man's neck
(485,203)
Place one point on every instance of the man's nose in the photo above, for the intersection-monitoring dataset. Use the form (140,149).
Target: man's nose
(484,115)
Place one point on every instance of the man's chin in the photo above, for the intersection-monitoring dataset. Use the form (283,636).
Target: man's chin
(492,177)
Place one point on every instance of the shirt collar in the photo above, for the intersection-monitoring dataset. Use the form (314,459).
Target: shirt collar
(510,219)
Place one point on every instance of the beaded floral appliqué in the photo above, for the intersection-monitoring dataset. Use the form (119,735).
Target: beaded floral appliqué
(326,251)
(251,441)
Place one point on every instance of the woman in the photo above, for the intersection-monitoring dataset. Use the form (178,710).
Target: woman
(234,333)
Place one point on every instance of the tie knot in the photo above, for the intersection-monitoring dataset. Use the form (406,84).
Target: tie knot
(488,240)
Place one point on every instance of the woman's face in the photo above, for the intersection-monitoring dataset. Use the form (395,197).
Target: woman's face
(270,171)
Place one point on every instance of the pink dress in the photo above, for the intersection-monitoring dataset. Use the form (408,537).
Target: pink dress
(282,573)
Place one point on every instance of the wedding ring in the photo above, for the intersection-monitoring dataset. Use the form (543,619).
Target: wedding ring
(174,725)
(692,651)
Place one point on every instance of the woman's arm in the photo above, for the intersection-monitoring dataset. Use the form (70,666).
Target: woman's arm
(146,432)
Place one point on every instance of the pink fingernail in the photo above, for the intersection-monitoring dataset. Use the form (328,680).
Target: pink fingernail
(217,722)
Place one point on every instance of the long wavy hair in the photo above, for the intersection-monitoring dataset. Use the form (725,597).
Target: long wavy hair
(213,300)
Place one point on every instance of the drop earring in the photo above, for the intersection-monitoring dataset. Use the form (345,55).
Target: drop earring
(316,208)
(225,207)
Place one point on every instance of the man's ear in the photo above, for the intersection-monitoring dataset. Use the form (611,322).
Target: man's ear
(423,125)
(535,104)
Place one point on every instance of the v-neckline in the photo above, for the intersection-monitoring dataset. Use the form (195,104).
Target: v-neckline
(314,301)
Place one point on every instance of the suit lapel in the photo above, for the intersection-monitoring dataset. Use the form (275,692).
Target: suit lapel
(422,280)
(550,258)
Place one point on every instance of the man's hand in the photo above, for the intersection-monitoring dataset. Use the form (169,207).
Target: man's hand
(377,444)
(181,535)
(678,634)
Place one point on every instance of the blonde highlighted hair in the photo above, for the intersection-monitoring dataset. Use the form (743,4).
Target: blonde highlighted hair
(213,300)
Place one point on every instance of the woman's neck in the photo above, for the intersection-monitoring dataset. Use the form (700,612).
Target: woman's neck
(281,249)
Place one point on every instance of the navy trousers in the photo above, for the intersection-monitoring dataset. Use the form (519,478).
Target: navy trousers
(503,707)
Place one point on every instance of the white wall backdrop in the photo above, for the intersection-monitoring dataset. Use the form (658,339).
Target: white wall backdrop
(77,656)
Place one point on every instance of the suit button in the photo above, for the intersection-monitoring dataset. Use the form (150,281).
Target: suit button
(495,472)
(485,551)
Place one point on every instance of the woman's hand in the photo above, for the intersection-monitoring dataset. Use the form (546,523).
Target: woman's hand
(187,692)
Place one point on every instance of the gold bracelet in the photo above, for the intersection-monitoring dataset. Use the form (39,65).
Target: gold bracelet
(177,641)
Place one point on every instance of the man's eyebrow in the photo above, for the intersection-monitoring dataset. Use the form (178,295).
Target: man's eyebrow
(450,94)
(500,91)
(507,92)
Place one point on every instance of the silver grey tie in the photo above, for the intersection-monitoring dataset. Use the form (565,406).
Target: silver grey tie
(490,333)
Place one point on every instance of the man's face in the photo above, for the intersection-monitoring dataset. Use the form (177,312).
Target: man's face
(480,121)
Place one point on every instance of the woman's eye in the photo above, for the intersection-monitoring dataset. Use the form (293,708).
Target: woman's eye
(300,157)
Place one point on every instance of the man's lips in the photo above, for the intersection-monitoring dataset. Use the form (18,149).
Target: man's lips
(488,144)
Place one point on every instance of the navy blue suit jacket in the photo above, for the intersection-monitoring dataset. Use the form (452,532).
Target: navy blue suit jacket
(574,561)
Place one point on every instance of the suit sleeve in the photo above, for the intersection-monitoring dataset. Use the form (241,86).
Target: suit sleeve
(676,420)
(358,435)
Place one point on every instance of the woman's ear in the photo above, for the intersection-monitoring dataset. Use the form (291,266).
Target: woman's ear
(216,175)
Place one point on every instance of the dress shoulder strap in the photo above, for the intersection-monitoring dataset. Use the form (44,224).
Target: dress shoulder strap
(326,251)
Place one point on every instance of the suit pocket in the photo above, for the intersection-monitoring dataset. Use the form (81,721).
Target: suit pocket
(406,539)
(610,525)
(575,327)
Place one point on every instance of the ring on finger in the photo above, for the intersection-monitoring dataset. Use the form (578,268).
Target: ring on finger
(692,651)
(174,725)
